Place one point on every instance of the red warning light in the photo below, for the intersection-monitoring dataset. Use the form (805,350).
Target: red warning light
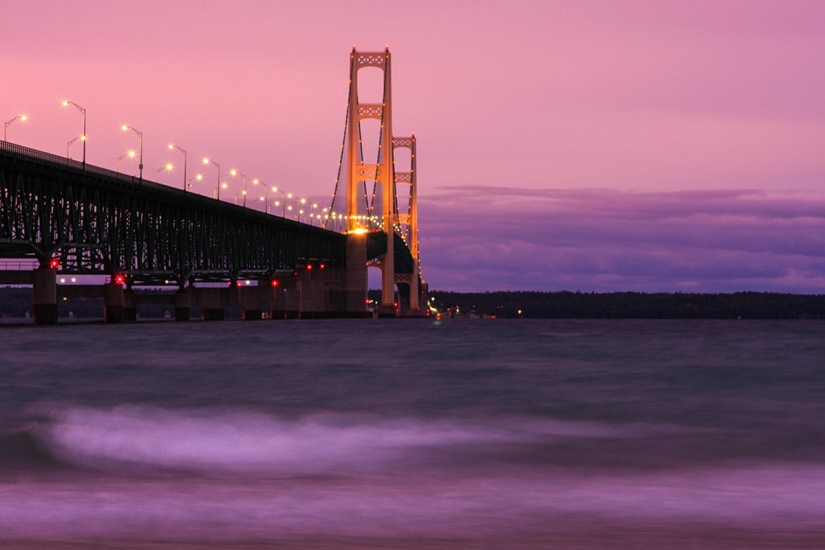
(323,266)
(238,284)
(54,263)
(274,282)
(309,267)
(120,279)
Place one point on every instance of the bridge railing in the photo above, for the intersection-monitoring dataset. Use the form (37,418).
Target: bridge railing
(57,159)
(18,265)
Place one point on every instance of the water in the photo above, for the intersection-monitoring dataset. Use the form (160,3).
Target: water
(413,434)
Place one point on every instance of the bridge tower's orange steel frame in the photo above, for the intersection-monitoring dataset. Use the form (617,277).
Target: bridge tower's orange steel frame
(381,173)
(410,219)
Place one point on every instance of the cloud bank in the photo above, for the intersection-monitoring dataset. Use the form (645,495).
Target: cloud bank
(477,238)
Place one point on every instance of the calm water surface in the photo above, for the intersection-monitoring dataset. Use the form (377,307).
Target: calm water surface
(412,433)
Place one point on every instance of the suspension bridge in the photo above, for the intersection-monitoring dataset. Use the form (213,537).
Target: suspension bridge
(63,218)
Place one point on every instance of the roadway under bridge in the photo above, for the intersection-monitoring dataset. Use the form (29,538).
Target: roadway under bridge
(78,219)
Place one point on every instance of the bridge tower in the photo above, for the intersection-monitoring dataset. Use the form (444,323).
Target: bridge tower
(410,219)
(381,172)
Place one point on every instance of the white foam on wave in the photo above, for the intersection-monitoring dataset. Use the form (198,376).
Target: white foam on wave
(209,440)
(381,490)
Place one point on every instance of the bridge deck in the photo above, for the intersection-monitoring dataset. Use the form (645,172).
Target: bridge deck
(96,221)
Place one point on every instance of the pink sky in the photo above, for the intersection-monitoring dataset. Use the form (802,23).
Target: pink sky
(634,145)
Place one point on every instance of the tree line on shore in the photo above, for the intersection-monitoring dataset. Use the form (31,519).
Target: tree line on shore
(17,301)
(631,305)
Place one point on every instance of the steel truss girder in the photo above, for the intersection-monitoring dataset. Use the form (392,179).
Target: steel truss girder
(100,222)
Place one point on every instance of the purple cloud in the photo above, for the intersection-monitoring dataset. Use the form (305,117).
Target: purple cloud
(477,238)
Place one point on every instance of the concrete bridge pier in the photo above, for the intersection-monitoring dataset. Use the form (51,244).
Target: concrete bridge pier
(287,301)
(129,305)
(214,301)
(356,276)
(389,306)
(278,307)
(45,296)
(253,299)
(334,295)
(311,290)
(114,310)
(182,307)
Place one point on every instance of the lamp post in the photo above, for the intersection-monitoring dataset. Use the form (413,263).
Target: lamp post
(207,160)
(22,118)
(234,173)
(256,181)
(198,177)
(140,135)
(185,181)
(69,144)
(130,154)
(266,193)
(283,204)
(168,167)
(82,110)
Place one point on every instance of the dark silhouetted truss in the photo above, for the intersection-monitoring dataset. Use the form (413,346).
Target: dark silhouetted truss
(96,221)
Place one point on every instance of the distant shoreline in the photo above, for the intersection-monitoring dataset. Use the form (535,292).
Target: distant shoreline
(629,305)
(15,302)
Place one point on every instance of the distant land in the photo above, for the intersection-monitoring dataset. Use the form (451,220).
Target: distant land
(16,302)
(630,305)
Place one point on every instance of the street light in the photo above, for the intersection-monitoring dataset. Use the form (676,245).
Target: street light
(283,204)
(82,110)
(140,135)
(130,154)
(265,198)
(69,144)
(168,167)
(207,160)
(198,177)
(185,181)
(22,118)
(234,173)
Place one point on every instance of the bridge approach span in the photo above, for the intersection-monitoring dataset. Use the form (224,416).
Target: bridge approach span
(96,221)
(77,220)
